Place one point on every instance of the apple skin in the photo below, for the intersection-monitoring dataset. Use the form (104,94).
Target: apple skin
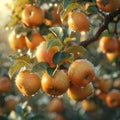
(80,93)
(56,85)
(81,72)
(32,16)
(113,98)
(89,105)
(36,39)
(44,55)
(78,21)
(16,42)
(27,83)
(111,6)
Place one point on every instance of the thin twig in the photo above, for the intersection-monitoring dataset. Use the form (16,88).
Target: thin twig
(108,18)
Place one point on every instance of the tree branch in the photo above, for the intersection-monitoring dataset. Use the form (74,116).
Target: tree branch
(108,19)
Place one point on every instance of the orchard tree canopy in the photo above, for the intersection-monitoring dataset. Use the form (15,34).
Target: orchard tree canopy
(65,55)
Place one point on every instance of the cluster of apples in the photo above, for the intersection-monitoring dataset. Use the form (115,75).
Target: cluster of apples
(31,17)
(108,91)
(76,81)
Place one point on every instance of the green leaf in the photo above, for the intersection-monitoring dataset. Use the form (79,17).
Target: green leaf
(106,33)
(106,2)
(57,31)
(52,43)
(26,59)
(51,71)
(67,40)
(50,36)
(13,21)
(75,49)
(59,57)
(19,62)
(41,67)
(16,67)
(19,30)
(66,3)
(19,5)
(29,34)
(60,7)
(92,9)
(69,8)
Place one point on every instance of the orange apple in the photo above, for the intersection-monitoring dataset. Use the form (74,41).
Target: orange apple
(28,83)
(56,85)
(44,55)
(108,44)
(5,85)
(32,15)
(113,98)
(78,21)
(89,105)
(36,39)
(110,6)
(56,105)
(81,72)
(80,93)
(16,41)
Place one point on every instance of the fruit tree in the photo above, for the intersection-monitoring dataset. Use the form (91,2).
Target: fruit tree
(64,62)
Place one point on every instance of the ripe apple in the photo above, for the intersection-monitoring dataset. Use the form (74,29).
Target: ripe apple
(56,105)
(81,72)
(28,83)
(11,102)
(16,41)
(113,98)
(5,85)
(56,85)
(80,93)
(44,55)
(105,84)
(111,6)
(78,21)
(89,105)
(36,39)
(32,15)
(108,44)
